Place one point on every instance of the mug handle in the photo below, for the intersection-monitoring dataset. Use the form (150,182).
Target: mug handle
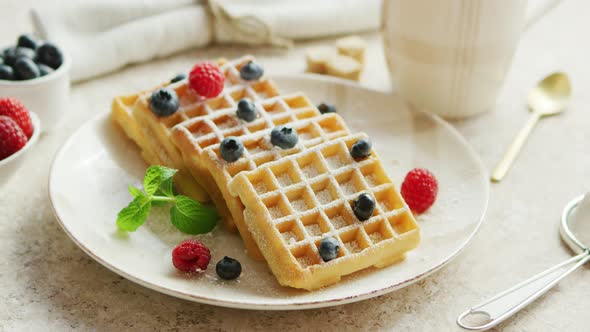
(539,11)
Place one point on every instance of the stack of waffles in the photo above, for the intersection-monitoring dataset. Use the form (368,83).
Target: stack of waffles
(283,202)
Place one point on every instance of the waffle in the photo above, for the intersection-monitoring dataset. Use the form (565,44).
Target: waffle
(134,115)
(151,151)
(290,209)
(220,109)
(258,151)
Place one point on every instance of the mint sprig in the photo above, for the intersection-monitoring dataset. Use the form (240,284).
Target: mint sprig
(187,215)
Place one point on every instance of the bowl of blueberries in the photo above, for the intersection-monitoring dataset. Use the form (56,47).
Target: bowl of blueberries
(37,73)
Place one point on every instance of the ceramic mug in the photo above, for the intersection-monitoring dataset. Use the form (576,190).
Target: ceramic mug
(450,57)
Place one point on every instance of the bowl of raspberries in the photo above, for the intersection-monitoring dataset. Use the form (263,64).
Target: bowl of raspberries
(19,130)
(36,72)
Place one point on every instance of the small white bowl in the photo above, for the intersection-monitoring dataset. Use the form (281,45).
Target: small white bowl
(48,96)
(10,165)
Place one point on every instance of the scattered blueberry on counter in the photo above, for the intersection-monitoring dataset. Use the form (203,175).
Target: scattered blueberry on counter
(329,248)
(251,71)
(246,110)
(164,102)
(29,59)
(363,206)
(231,149)
(326,108)
(284,137)
(228,268)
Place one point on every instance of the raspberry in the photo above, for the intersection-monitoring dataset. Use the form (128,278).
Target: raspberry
(206,80)
(191,256)
(419,189)
(12,137)
(13,108)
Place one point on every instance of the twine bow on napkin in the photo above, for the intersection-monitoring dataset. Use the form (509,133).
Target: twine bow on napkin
(104,35)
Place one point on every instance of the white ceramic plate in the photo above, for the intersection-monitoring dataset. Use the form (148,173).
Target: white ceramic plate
(88,186)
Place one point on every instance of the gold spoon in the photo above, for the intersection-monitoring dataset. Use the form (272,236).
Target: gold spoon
(549,97)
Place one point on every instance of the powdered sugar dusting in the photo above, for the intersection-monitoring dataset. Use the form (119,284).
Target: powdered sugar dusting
(299,205)
(290,237)
(324,196)
(284,179)
(313,229)
(385,206)
(334,162)
(310,171)
(304,261)
(371,180)
(376,237)
(338,222)
(260,187)
(352,247)
(275,212)
(348,188)
(305,136)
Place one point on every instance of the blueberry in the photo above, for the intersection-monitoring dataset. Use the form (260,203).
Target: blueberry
(27,41)
(6,73)
(326,108)
(283,137)
(228,268)
(50,55)
(25,52)
(164,102)
(246,110)
(45,70)
(231,149)
(251,71)
(9,55)
(361,149)
(25,69)
(329,248)
(363,206)
(177,78)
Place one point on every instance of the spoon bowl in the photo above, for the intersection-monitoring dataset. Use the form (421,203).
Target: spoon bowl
(551,95)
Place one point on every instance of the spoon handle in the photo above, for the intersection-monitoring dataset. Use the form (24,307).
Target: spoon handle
(510,301)
(504,164)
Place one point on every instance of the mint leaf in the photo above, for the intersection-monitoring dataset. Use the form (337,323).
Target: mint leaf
(166,188)
(192,217)
(134,191)
(156,176)
(134,215)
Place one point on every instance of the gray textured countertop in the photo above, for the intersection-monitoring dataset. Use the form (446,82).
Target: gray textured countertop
(47,283)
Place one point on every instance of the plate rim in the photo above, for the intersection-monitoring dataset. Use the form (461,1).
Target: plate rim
(484,176)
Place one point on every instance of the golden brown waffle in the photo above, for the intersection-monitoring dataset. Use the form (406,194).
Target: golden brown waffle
(136,116)
(258,150)
(151,151)
(192,108)
(295,202)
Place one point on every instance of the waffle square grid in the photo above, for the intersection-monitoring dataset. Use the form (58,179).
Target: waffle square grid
(298,209)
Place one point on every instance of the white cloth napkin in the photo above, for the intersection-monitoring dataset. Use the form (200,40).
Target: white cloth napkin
(104,35)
